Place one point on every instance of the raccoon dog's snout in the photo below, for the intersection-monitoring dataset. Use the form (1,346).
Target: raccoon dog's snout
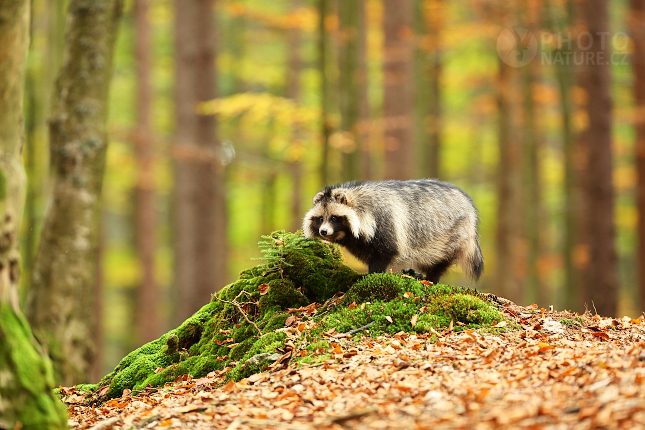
(426,224)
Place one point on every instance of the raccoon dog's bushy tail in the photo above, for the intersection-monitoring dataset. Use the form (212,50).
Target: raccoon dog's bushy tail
(471,259)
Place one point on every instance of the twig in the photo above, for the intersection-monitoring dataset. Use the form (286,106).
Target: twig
(256,422)
(350,416)
(106,424)
(237,305)
(356,330)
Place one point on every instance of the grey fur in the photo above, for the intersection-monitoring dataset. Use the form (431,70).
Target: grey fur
(425,224)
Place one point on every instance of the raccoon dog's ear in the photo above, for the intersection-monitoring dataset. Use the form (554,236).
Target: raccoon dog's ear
(318,198)
(341,198)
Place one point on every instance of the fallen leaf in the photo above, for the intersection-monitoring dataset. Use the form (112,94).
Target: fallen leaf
(352,306)
(601,335)
(290,320)
(231,387)
(389,318)
(413,321)
(263,289)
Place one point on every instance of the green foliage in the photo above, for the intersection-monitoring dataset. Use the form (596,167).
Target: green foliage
(238,329)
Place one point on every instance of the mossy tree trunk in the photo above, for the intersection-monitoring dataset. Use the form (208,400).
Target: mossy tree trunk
(26,400)
(61,304)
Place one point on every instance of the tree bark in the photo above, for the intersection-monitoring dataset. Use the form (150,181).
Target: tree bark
(199,201)
(325,131)
(61,305)
(538,288)
(26,376)
(601,273)
(637,28)
(38,91)
(349,87)
(145,217)
(293,92)
(511,266)
(433,22)
(398,55)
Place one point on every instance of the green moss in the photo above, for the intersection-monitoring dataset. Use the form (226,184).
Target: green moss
(401,298)
(238,328)
(27,378)
(566,321)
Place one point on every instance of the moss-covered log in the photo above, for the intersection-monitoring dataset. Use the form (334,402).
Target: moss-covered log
(26,400)
(243,327)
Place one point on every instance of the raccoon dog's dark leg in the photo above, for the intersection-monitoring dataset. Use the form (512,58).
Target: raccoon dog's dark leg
(378,264)
(436,271)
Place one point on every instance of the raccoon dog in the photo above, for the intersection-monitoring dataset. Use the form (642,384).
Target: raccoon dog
(425,224)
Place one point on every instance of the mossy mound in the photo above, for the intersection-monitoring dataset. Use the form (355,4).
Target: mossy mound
(240,320)
(244,322)
(401,298)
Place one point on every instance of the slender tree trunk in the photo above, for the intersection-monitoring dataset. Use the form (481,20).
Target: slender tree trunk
(349,86)
(398,50)
(145,217)
(536,231)
(601,273)
(65,267)
(199,197)
(323,9)
(26,376)
(565,77)
(363,126)
(510,253)
(433,20)
(637,29)
(296,148)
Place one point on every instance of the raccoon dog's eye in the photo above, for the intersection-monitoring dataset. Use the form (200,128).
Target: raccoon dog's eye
(333,219)
(320,219)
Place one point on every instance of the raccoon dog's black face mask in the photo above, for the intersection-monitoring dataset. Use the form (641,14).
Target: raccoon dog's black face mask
(332,228)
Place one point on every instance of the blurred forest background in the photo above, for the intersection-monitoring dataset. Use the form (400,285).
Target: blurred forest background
(226,117)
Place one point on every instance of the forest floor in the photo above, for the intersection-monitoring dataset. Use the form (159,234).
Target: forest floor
(548,370)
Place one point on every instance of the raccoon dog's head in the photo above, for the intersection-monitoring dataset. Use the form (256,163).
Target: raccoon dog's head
(332,218)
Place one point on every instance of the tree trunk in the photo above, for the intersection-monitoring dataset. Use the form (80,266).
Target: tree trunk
(363,126)
(38,90)
(323,6)
(538,288)
(145,218)
(26,376)
(433,22)
(637,29)
(349,87)
(511,265)
(398,55)
(295,149)
(61,306)
(199,197)
(601,272)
